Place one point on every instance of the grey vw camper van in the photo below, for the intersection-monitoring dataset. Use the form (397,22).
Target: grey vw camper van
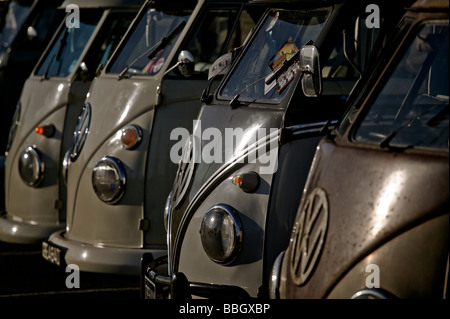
(26,28)
(46,114)
(373,222)
(237,188)
(118,168)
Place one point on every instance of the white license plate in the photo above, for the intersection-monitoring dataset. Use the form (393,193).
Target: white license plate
(51,253)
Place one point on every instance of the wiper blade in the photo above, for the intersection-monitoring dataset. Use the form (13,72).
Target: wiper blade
(435,120)
(154,49)
(57,55)
(385,143)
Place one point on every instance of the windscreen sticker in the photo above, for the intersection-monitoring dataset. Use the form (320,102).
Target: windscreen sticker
(155,64)
(285,53)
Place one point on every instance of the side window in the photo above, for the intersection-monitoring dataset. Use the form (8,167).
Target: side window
(250,15)
(412,108)
(361,41)
(108,38)
(44,24)
(211,37)
(16,16)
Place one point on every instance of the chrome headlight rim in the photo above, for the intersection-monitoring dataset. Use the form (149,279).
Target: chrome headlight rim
(121,179)
(236,247)
(38,167)
(372,293)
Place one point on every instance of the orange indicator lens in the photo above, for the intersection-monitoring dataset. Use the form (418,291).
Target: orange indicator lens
(40,130)
(131,136)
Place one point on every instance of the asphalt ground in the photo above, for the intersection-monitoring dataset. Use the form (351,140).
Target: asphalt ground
(25,274)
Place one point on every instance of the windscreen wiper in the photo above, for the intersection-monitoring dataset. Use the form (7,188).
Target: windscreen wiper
(57,55)
(385,143)
(154,49)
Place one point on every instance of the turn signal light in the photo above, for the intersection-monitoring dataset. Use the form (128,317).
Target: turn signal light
(248,182)
(131,136)
(46,130)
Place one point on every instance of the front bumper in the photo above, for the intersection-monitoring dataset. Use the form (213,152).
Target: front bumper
(155,285)
(90,258)
(20,232)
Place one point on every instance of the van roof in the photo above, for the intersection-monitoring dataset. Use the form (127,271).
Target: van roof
(430,5)
(104,3)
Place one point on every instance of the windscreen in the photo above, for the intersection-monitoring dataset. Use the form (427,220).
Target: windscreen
(412,109)
(63,56)
(152,27)
(281,36)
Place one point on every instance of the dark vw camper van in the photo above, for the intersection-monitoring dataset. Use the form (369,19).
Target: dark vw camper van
(238,184)
(373,221)
(46,114)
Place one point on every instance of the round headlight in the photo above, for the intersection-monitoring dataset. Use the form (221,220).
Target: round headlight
(109,179)
(221,234)
(31,166)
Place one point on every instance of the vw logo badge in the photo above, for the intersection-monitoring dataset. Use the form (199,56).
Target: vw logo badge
(184,173)
(309,236)
(81,132)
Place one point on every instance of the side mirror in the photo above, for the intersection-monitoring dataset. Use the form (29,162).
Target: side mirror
(31,33)
(185,64)
(220,66)
(312,76)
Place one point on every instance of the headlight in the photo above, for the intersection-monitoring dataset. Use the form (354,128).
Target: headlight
(109,179)
(31,166)
(221,234)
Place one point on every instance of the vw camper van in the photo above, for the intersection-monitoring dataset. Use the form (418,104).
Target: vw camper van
(45,117)
(26,28)
(237,188)
(373,221)
(118,168)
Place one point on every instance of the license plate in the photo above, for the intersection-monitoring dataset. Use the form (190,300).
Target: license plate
(52,253)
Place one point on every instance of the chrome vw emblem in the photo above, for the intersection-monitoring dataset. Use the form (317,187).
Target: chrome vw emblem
(184,173)
(81,132)
(309,236)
